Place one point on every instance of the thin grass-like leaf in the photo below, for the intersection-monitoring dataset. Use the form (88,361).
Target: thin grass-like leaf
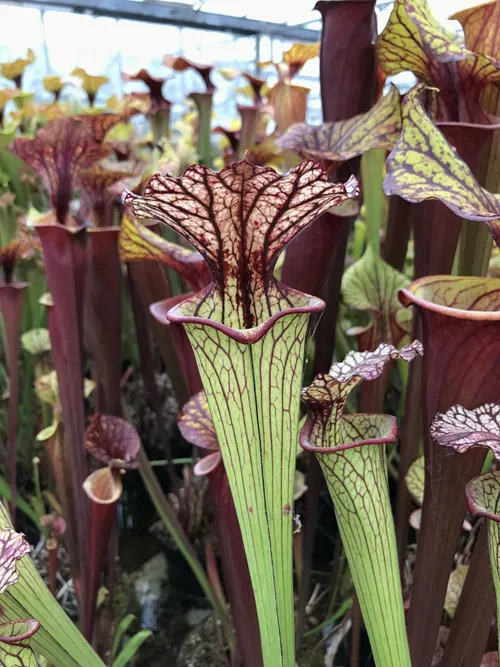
(131,648)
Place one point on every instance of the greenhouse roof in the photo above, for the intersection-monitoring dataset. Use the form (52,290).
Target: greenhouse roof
(296,21)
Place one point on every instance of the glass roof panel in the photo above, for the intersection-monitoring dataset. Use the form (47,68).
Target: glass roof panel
(302,13)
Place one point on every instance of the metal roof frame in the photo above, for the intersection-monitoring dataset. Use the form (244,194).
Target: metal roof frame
(175,14)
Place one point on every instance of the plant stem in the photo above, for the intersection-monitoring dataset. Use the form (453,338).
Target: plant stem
(325,342)
(104,316)
(358,240)
(140,316)
(397,233)
(37,500)
(203,103)
(52,548)
(344,607)
(372,176)
(236,576)
(187,460)
(11,302)
(65,263)
(58,457)
(249,121)
(474,249)
(147,285)
(339,562)
(160,124)
(488,461)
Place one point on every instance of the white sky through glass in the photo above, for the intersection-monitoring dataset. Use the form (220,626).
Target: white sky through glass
(63,40)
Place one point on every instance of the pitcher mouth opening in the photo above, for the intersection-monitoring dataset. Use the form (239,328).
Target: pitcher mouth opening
(453,289)
(390,436)
(475,508)
(181,310)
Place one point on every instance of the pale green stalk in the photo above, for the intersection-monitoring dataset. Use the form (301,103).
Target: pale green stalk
(403,376)
(474,249)
(37,499)
(488,462)
(374,202)
(203,103)
(358,240)
(160,124)
(331,620)
(357,482)
(248,132)
(263,381)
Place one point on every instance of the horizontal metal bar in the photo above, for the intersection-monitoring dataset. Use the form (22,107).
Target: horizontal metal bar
(176,14)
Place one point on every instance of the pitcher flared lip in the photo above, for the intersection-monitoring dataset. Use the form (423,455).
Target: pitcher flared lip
(115,229)
(167,309)
(389,437)
(15,285)
(408,297)
(475,509)
(57,225)
(458,125)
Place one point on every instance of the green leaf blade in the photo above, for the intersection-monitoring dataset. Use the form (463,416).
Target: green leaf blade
(132,647)
(371,285)
(121,630)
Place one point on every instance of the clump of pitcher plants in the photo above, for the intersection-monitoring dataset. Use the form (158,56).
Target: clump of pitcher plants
(260,318)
